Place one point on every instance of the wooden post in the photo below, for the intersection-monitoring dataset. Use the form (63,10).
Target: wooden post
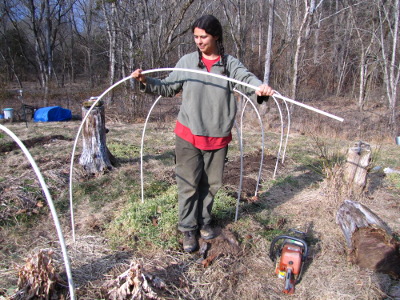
(356,168)
(95,157)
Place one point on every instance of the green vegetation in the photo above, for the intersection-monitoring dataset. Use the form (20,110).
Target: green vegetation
(122,150)
(386,156)
(286,180)
(272,225)
(393,182)
(31,186)
(224,206)
(153,224)
(148,225)
(328,155)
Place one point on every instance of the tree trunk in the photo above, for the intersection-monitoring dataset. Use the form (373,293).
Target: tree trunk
(111,16)
(303,28)
(370,242)
(390,59)
(268,51)
(95,157)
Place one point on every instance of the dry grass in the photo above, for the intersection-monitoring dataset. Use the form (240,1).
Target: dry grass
(303,198)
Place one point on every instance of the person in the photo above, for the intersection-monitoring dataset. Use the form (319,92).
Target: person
(204,123)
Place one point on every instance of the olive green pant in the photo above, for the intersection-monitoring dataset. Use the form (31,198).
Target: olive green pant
(199,176)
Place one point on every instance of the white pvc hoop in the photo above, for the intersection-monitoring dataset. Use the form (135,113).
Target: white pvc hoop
(181,70)
(141,148)
(262,135)
(287,132)
(281,140)
(246,85)
(241,171)
(51,206)
(240,136)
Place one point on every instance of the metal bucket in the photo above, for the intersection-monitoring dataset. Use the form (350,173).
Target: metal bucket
(397,140)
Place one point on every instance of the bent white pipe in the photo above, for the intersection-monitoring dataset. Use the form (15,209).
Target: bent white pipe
(281,140)
(288,130)
(141,148)
(247,85)
(241,170)
(240,136)
(262,135)
(182,70)
(51,206)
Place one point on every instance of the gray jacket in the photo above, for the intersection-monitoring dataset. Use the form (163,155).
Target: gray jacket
(208,103)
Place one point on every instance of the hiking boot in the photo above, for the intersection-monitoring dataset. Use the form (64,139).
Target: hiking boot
(207,232)
(189,241)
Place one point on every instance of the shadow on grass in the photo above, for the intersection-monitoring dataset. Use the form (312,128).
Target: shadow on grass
(98,268)
(168,155)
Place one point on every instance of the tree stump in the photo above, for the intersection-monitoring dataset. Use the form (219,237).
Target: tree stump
(95,157)
(371,243)
(356,168)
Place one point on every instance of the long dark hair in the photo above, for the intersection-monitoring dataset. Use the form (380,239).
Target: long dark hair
(211,25)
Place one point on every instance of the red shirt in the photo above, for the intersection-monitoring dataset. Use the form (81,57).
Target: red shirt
(199,141)
(209,62)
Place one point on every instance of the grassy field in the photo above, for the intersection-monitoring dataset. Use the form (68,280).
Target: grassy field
(114,228)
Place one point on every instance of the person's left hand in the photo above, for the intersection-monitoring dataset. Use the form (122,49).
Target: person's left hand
(264,90)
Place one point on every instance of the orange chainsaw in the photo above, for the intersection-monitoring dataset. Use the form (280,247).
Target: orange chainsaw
(289,253)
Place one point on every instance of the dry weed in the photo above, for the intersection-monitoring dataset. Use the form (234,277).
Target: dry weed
(39,278)
(133,284)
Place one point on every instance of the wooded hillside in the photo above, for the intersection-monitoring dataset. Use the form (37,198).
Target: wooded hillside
(318,47)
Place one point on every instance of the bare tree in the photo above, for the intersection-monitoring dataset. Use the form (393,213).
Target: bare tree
(165,25)
(88,31)
(9,53)
(366,38)
(303,33)
(312,46)
(40,22)
(389,23)
(110,10)
(240,21)
(268,51)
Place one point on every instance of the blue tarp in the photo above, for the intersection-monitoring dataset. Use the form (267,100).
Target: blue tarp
(52,114)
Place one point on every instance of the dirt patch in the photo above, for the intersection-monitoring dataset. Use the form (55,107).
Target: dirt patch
(251,168)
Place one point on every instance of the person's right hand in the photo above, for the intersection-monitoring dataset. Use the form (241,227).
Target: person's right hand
(137,74)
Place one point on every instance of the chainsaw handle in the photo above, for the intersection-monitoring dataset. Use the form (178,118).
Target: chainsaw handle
(281,237)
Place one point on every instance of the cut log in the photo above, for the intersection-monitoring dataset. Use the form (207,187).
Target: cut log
(356,168)
(375,250)
(370,242)
(353,215)
(95,157)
